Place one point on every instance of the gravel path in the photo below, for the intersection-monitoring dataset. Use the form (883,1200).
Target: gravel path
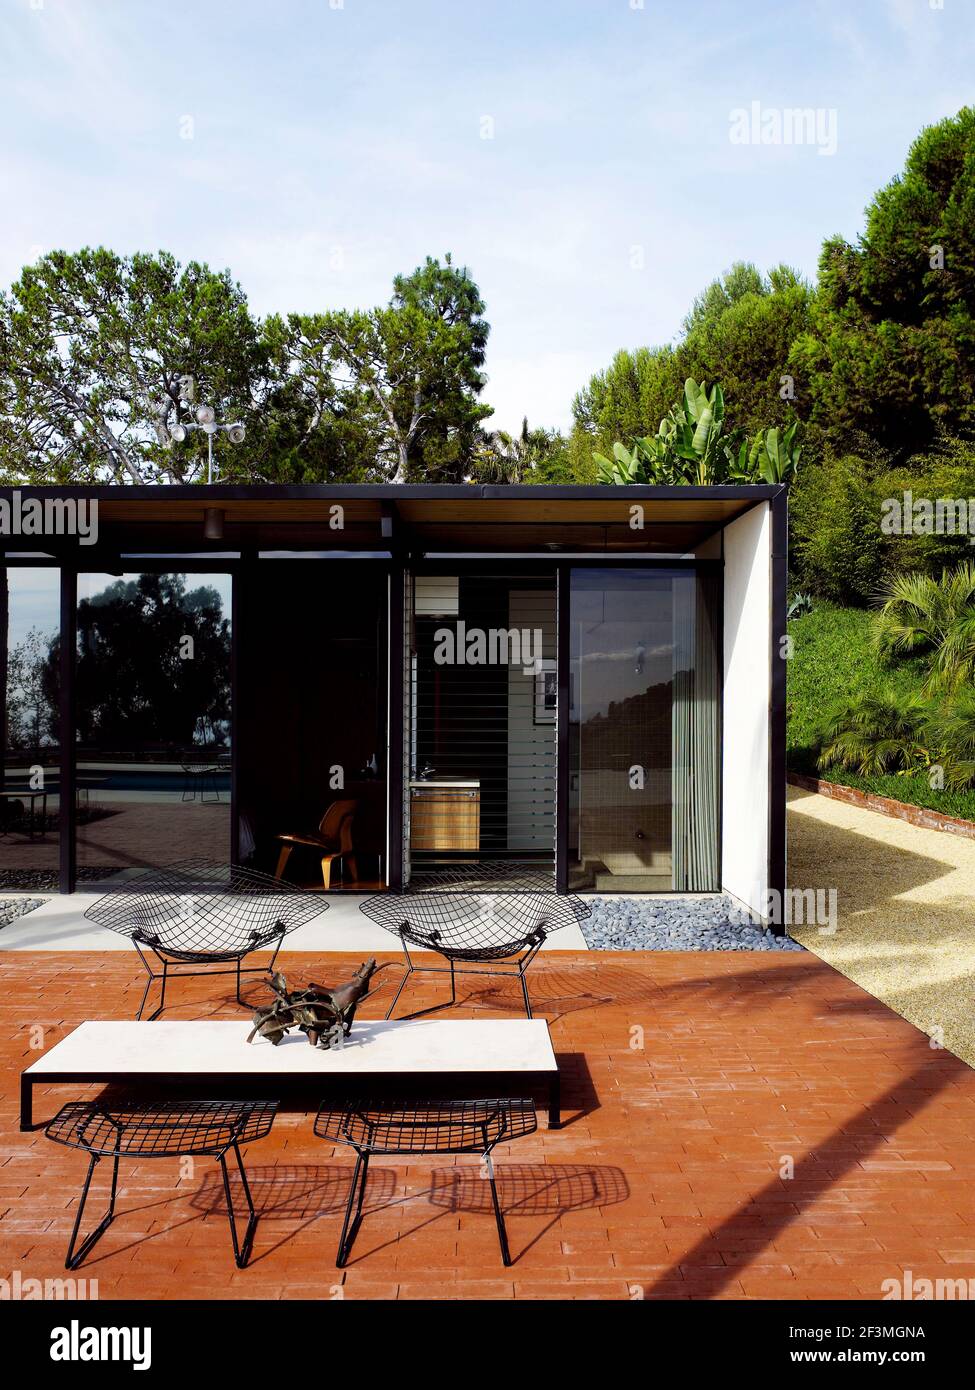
(906,911)
(675,924)
(12,908)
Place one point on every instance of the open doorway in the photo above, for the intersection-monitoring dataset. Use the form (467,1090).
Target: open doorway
(311,680)
(482,754)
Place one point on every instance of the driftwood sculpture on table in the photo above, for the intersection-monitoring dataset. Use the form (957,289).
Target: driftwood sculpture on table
(324,1015)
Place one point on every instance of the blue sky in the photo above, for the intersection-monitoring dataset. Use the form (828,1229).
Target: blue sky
(335,144)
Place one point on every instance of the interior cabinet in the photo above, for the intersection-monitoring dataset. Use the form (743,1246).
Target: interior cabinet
(445,816)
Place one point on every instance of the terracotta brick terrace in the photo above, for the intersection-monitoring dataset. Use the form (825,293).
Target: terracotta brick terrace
(693,1084)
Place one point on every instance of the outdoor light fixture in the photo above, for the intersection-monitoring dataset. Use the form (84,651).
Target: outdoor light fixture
(213,524)
(205,419)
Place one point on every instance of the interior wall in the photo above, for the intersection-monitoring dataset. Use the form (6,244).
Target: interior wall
(747,689)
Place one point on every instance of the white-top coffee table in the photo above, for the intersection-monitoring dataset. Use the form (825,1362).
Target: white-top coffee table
(424,1054)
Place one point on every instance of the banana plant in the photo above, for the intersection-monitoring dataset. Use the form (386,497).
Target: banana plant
(698,433)
(768,457)
(779,458)
(648,460)
(691,446)
(626,465)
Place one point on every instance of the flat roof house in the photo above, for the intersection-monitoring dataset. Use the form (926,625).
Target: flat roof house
(357,687)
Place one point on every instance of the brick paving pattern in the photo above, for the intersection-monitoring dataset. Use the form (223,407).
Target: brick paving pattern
(669,1178)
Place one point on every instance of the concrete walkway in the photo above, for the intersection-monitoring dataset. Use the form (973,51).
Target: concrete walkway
(60,925)
(906,911)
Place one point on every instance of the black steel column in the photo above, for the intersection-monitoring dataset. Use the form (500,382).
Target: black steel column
(563,582)
(779,562)
(237,581)
(396,705)
(67,724)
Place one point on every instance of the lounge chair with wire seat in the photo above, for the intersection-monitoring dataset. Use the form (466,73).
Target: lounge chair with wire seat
(199,913)
(473,932)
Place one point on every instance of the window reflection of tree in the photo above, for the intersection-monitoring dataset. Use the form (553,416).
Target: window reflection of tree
(140,683)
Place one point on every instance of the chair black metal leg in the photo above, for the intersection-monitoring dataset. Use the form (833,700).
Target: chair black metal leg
(270,965)
(524,990)
(453,984)
(239,1000)
(149,971)
(498,1214)
(74,1257)
(350,1225)
(162,992)
(242,1249)
(145,993)
(406,975)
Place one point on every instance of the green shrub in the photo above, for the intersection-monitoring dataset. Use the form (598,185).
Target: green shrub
(948,473)
(833,657)
(837,545)
(835,667)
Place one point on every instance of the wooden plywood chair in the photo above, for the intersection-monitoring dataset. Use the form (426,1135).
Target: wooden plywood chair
(333,840)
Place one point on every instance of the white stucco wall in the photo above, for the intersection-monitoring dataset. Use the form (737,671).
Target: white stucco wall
(745,768)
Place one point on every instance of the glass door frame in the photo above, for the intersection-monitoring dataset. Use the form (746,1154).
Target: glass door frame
(563,770)
(127,564)
(402,594)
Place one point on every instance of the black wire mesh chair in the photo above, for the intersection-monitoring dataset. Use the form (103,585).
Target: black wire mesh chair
(421,1127)
(203,913)
(473,931)
(165,1129)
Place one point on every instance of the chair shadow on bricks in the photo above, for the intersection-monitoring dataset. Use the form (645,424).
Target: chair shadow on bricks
(298,1193)
(530,1189)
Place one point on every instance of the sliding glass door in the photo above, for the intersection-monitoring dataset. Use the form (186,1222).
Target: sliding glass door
(153,698)
(30,620)
(644,733)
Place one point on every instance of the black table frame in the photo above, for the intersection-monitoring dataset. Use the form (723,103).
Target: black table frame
(251,1083)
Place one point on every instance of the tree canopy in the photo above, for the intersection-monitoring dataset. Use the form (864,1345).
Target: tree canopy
(92,343)
(890,349)
(93,348)
(737,333)
(403,379)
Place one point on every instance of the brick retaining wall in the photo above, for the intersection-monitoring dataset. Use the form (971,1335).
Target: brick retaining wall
(886,806)
(922,816)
